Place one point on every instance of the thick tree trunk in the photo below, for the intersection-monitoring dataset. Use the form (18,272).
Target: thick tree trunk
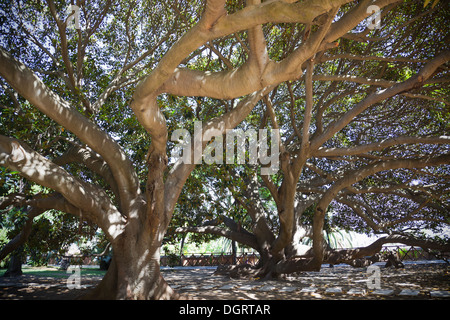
(15,266)
(134,274)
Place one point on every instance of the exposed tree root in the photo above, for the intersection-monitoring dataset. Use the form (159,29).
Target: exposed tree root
(358,258)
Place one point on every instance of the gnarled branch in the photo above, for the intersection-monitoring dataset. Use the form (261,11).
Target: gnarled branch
(15,155)
(27,84)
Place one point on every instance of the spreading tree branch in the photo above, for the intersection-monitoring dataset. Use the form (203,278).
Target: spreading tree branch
(27,84)
(17,156)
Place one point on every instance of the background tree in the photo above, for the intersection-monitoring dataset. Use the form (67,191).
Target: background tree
(345,157)
(101,99)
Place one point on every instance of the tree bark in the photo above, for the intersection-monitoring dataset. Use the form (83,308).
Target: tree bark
(134,272)
(15,265)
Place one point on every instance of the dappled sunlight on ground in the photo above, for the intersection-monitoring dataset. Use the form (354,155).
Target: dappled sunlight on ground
(415,281)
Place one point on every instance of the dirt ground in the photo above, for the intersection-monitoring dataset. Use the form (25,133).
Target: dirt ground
(202,284)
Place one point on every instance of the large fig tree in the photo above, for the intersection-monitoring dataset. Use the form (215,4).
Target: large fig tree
(99,83)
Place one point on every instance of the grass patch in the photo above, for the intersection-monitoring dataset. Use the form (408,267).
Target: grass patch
(54,272)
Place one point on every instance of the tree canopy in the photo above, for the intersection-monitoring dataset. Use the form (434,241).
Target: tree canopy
(92,92)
